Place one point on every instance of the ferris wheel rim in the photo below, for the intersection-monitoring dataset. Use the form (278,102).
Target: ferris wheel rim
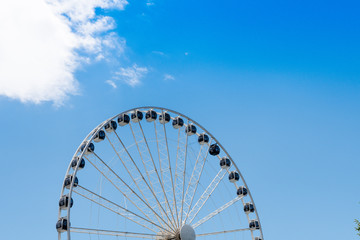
(89,138)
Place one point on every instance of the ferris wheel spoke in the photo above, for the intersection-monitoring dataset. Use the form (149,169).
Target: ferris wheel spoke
(222,232)
(128,195)
(128,192)
(102,201)
(131,168)
(176,176)
(112,233)
(170,171)
(205,196)
(216,212)
(161,144)
(150,168)
(158,180)
(195,177)
(180,171)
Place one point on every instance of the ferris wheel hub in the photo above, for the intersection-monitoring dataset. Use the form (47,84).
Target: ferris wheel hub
(187,233)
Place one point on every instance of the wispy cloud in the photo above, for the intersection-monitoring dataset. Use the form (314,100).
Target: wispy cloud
(149,3)
(44,42)
(131,75)
(168,77)
(158,53)
(111,83)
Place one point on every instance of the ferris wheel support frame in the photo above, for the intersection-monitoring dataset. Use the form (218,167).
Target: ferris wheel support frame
(88,139)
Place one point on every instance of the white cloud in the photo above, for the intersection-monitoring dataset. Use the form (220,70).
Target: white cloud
(131,75)
(43,42)
(150,3)
(158,53)
(168,77)
(111,83)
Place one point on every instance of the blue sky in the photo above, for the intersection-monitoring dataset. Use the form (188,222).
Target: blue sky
(278,83)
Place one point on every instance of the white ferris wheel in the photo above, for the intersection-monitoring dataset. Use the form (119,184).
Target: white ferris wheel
(153,173)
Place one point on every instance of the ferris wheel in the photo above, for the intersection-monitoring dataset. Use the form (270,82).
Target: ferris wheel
(153,173)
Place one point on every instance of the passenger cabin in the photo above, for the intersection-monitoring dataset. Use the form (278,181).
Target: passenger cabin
(258,238)
(249,208)
(242,191)
(61,225)
(203,138)
(137,116)
(178,122)
(68,179)
(254,224)
(151,116)
(123,119)
(110,126)
(190,129)
(75,161)
(234,176)
(164,118)
(214,149)
(225,163)
(89,149)
(64,202)
(100,135)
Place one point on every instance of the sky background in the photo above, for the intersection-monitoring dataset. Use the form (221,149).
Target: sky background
(277,83)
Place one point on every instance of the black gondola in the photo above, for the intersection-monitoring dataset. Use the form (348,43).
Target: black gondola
(190,129)
(61,225)
(178,122)
(203,138)
(100,135)
(214,149)
(68,180)
(258,238)
(249,208)
(164,118)
(242,191)
(151,116)
(225,163)
(137,116)
(74,162)
(234,177)
(64,202)
(123,119)
(89,149)
(254,224)
(110,126)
